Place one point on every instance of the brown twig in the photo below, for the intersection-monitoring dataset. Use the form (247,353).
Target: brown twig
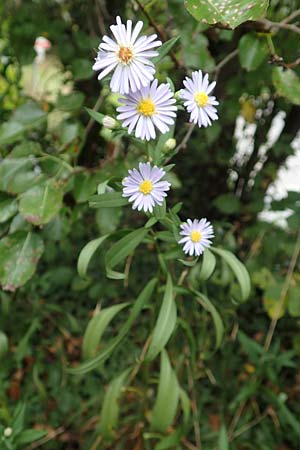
(50,436)
(159,32)
(279,25)
(224,61)
(283,293)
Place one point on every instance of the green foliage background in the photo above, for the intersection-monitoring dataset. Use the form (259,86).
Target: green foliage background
(77,367)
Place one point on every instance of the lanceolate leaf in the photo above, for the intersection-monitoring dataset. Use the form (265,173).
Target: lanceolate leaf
(139,304)
(238,269)
(165,48)
(208,265)
(19,255)
(108,200)
(87,253)
(165,323)
(219,327)
(96,327)
(110,407)
(223,439)
(167,397)
(229,13)
(121,249)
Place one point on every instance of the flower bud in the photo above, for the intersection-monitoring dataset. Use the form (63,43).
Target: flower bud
(170,144)
(109,122)
(7,432)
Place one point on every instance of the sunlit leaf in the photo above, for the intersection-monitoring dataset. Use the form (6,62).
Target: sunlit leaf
(167,396)
(165,323)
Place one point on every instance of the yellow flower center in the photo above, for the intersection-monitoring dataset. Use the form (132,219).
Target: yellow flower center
(146,187)
(201,99)
(146,107)
(125,55)
(195,236)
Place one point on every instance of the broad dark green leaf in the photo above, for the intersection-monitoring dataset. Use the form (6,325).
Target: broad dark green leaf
(252,51)
(96,327)
(121,249)
(139,304)
(28,436)
(287,84)
(70,102)
(165,323)
(238,269)
(108,200)
(110,407)
(19,255)
(41,203)
(167,396)
(8,207)
(87,253)
(230,13)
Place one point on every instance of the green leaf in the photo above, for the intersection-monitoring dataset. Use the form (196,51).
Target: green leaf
(3,344)
(84,186)
(227,203)
(121,249)
(165,323)
(8,207)
(98,117)
(170,442)
(108,200)
(167,397)
(223,443)
(96,327)
(87,253)
(10,132)
(208,265)
(19,255)
(208,306)
(230,13)
(70,102)
(252,51)
(41,203)
(139,304)
(287,84)
(165,48)
(28,436)
(238,269)
(110,407)
(294,301)
(108,219)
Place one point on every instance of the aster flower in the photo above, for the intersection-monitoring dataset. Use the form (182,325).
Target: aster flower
(144,188)
(196,236)
(152,106)
(128,56)
(198,102)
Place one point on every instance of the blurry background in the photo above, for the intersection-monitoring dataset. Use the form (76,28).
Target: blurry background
(243,174)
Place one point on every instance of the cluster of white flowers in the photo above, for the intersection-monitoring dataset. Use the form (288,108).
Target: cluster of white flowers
(147,106)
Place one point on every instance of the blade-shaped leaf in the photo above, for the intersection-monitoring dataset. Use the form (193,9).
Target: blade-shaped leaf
(108,200)
(167,396)
(87,253)
(110,407)
(219,327)
(3,344)
(208,265)
(230,13)
(96,327)
(121,249)
(223,439)
(139,304)
(165,48)
(165,323)
(238,269)
(19,255)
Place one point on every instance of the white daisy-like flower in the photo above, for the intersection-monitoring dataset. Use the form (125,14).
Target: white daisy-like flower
(128,56)
(152,106)
(198,102)
(144,188)
(197,235)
